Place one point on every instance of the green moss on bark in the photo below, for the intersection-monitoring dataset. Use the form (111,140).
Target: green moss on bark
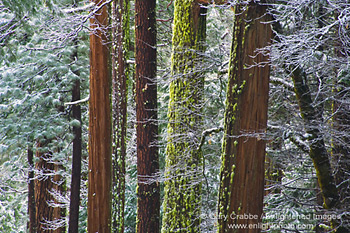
(183,160)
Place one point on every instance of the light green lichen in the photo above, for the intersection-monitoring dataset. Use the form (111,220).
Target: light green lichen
(183,161)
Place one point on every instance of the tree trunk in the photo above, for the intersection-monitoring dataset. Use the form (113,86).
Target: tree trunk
(120,76)
(242,173)
(31,193)
(76,162)
(146,116)
(60,210)
(47,180)
(182,191)
(100,155)
(318,151)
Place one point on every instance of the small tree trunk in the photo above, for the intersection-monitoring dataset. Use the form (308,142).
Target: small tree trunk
(120,77)
(318,151)
(31,193)
(100,155)
(148,201)
(76,163)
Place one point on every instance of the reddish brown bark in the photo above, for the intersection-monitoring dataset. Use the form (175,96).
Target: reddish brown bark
(100,162)
(47,180)
(146,116)
(242,176)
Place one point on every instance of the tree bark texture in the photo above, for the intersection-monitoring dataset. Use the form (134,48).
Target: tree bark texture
(46,182)
(243,156)
(182,191)
(120,76)
(31,193)
(148,201)
(100,154)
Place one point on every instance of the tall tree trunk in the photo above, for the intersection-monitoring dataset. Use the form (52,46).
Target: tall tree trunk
(31,193)
(120,77)
(148,201)
(100,155)
(182,191)
(76,162)
(243,155)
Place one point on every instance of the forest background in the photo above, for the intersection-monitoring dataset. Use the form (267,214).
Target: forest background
(194,81)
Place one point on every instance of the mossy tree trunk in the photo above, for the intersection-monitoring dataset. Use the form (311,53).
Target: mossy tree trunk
(148,196)
(120,75)
(100,155)
(243,155)
(183,160)
(318,152)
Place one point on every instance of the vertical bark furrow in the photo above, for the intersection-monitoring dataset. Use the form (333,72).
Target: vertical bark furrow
(243,156)
(148,201)
(100,155)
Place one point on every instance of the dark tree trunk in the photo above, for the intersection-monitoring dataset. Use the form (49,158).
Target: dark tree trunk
(120,76)
(31,193)
(76,163)
(318,151)
(77,152)
(100,155)
(243,156)
(148,202)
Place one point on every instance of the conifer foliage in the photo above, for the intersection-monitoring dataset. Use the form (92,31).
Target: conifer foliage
(174,116)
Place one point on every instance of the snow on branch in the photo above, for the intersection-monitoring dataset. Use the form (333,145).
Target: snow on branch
(78,101)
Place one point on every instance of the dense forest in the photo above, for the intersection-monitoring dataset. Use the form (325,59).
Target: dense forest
(174,116)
